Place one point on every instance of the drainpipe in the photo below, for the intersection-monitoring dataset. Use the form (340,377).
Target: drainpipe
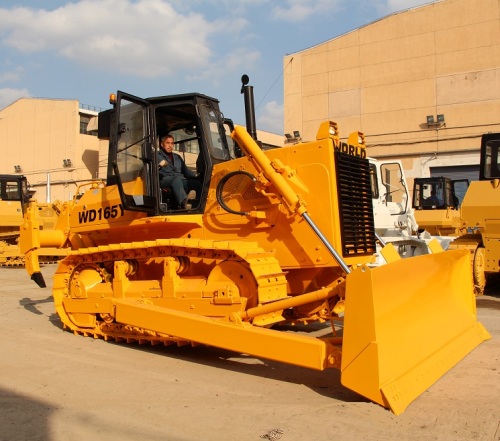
(48,188)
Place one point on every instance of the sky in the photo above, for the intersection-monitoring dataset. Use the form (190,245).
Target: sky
(87,49)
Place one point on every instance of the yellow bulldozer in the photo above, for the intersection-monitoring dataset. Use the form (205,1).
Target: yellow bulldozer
(14,200)
(276,240)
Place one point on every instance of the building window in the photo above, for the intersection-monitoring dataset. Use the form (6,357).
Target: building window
(84,122)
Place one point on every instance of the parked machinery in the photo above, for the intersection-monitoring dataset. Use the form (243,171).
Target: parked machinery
(466,213)
(276,238)
(480,213)
(14,199)
(395,221)
(437,201)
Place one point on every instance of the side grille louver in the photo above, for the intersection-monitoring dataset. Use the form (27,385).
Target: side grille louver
(355,204)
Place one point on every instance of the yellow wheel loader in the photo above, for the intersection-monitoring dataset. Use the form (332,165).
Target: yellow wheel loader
(14,200)
(467,213)
(274,239)
(437,202)
(480,213)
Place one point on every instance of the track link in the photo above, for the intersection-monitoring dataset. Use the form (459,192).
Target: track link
(264,267)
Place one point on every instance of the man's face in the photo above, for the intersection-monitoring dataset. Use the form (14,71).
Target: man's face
(168,144)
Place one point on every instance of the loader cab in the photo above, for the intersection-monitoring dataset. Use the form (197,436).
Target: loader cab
(490,157)
(201,137)
(438,193)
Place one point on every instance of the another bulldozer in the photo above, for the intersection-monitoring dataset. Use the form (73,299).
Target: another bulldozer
(14,200)
(276,238)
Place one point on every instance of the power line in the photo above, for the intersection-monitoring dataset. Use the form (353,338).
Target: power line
(272,85)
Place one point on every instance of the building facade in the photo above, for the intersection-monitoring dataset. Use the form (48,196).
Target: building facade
(423,85)
(50,141)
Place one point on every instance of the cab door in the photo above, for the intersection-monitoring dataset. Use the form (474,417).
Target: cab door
(132,153)
(459,189)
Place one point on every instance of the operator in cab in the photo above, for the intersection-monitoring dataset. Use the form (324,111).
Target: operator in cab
(433,199)
(175,174)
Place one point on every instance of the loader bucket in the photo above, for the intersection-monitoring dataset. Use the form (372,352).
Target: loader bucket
(406,324)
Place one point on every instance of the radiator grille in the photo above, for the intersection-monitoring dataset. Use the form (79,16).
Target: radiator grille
(355,205)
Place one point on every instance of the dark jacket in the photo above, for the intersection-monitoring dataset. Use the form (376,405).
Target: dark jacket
(175,167)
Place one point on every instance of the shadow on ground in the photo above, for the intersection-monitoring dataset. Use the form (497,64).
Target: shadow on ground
(23,418)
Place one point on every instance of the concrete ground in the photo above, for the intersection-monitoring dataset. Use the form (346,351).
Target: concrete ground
(55,386)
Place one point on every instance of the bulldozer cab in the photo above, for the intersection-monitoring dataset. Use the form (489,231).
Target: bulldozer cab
(14,196)
(490,157)
(438,193)
(14,188)
(201,137)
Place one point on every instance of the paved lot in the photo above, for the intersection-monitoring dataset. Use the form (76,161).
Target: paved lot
(56,386)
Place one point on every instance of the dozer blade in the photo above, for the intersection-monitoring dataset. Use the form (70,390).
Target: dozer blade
(406,324)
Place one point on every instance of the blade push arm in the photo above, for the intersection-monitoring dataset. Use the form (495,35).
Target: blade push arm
(272,172)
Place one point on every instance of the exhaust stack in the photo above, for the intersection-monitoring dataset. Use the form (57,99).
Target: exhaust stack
(247,92)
